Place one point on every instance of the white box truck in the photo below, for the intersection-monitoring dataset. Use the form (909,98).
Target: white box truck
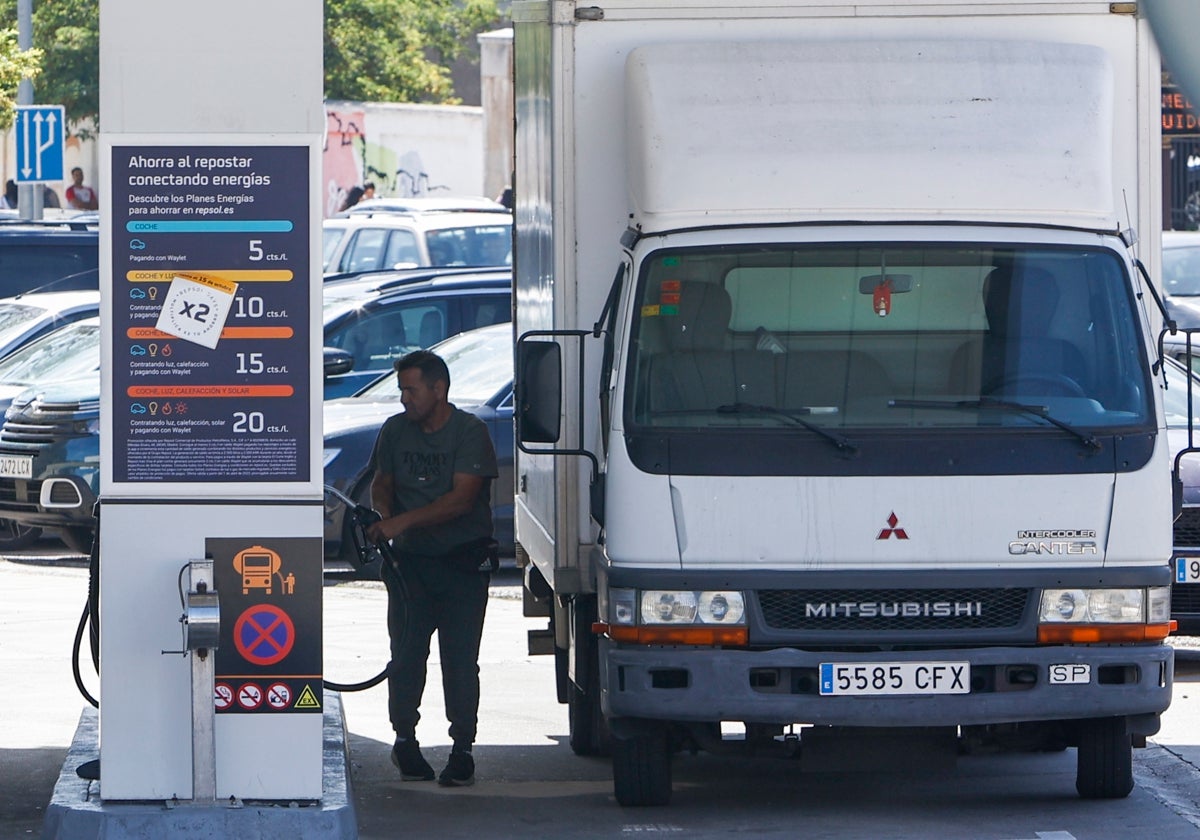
(838,406)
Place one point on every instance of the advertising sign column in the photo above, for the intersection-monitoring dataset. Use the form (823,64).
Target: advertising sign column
(210,314)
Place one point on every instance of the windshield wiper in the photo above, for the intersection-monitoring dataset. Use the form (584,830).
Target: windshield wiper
(843,444)
(991,404)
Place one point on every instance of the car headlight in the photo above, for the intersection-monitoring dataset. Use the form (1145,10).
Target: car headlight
(328,455)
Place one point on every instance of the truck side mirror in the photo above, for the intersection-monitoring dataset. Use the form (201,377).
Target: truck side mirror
(539,391)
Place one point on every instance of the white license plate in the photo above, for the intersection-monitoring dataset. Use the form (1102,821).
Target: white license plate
(895,678)
(1187,569)
(16,466)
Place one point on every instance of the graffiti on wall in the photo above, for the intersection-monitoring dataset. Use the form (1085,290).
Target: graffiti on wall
(350,159)
(341,158)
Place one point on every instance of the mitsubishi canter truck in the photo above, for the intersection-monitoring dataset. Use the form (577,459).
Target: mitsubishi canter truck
(839,404)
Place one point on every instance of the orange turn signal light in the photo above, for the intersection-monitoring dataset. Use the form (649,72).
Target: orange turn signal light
(703,635)
(1082,634)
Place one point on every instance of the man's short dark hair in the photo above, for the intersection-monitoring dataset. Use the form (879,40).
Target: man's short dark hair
(432,368)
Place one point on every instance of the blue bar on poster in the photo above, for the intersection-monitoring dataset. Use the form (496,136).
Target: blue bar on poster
(243,226)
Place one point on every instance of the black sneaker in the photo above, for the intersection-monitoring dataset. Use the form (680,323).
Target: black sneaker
(459,772)
(413,767)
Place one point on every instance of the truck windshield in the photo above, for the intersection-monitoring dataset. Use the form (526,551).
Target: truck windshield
(886,336)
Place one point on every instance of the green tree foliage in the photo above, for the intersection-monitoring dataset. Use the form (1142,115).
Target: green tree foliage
(375,50)
(15,64)
(399,50)
(66,34)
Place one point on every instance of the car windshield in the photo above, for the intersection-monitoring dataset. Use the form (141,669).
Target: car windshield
(480,363)
(16,317)
(1181,270)
(475,245)
(330,239)
(66,353)
(886,336)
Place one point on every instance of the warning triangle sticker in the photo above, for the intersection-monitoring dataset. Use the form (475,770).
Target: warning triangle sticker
(307,699)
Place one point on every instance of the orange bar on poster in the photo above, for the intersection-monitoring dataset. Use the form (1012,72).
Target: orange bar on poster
(149,333)
(197,391)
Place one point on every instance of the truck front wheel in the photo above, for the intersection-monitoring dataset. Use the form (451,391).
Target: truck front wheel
(642,765)
(589,729)
(1105,761)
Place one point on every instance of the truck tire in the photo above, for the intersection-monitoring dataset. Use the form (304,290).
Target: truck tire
(642,767)
(1105,761)
(589,729)
(589,734)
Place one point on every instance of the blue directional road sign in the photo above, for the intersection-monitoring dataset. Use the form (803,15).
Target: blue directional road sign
(40,141)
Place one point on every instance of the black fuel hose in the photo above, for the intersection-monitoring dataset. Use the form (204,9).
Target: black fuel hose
(366,552)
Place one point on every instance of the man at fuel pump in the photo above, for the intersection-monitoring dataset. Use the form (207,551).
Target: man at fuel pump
(433,467)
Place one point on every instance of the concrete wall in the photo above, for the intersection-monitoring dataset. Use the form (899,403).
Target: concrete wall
(405,150)
(495,73)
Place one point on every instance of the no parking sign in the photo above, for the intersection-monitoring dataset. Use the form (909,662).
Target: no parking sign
(269,659)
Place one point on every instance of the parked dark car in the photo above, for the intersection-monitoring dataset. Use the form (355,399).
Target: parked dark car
(1181,276)
(1185,593)
(26,317)
(50,437)
(375,329)
(33,254)
(481,382)
(67,353)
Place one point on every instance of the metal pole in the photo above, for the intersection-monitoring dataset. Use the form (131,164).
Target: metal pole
(26,192)
(203,630)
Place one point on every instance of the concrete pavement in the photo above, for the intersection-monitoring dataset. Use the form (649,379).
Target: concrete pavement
(520,747)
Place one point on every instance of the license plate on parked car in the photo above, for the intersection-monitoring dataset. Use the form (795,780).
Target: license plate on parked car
(895,678)
(1187,569)
(16,466)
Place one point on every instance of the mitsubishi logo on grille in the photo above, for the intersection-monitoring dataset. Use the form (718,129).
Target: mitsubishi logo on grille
(891,530)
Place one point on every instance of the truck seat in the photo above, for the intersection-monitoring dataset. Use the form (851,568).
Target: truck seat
(825,378)
(1018,352)
(698,371)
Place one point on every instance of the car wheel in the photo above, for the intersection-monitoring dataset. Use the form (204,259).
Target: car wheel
(14,535)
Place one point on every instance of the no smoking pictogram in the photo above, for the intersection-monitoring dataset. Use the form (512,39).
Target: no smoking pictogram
(222,696)
(250,696)
(264,634)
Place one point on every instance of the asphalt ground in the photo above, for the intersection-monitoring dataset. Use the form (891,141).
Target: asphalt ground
(521,750)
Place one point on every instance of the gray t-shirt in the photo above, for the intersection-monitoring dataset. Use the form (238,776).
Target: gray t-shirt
(423,467)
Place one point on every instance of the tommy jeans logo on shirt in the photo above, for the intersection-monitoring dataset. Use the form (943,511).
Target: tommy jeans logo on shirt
(424,466)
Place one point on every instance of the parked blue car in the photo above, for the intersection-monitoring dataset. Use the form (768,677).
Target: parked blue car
(481,382)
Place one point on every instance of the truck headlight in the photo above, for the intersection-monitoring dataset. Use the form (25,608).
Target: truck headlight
(676,616)
(1111,614)
(666,606)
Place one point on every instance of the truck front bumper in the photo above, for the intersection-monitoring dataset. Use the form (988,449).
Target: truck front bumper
(1008,684)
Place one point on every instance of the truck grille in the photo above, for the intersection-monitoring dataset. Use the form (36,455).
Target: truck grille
(893,609)
(1187,528)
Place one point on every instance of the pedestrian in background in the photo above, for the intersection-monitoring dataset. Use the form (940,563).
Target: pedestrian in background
(79,196)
